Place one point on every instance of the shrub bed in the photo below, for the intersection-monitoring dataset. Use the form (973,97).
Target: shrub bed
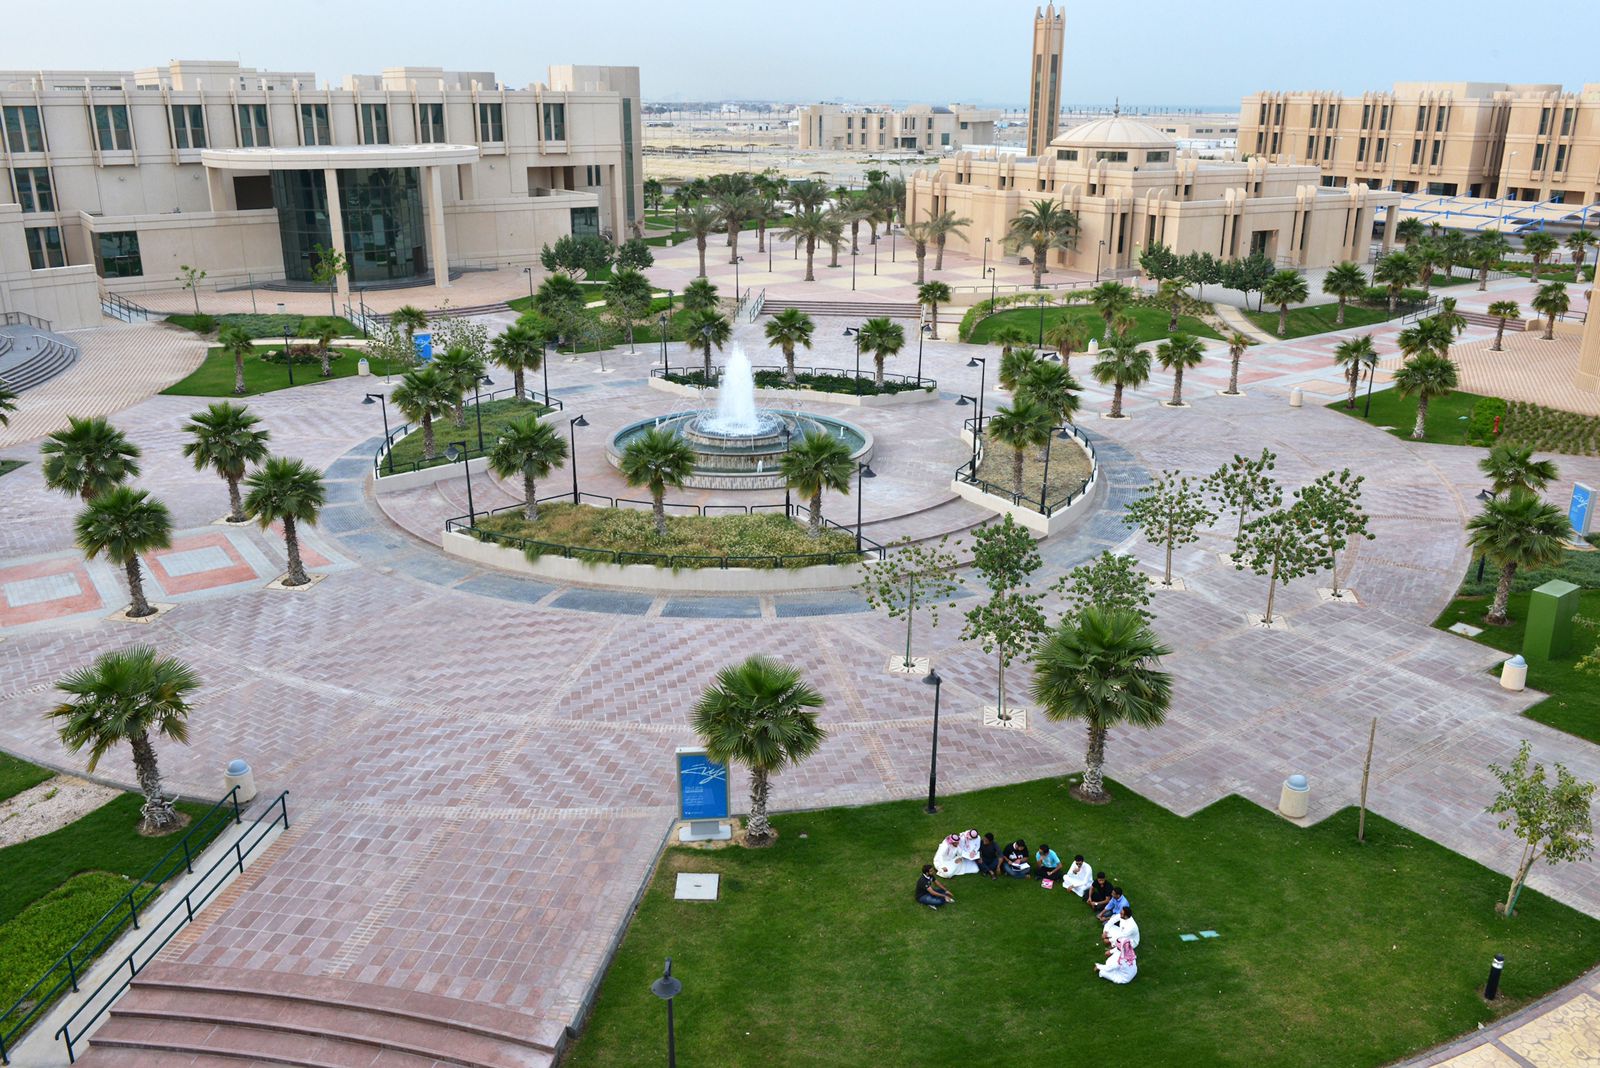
(768,379)
(497,414)
(264,326)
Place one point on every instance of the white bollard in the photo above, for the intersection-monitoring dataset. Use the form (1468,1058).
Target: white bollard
(1514,673)
(239,774)
(1294,800)
(1296,397)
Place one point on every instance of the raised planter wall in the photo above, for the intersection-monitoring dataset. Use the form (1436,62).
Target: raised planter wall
(401,481)
(1027,517)
(787,396)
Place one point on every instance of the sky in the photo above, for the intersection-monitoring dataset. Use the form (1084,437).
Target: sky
(1147,53)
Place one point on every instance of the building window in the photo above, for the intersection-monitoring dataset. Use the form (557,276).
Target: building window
(930,122)
(117,254)
(1416,152)
(963,126)
(1277,114)
(1383,117)
(188,126)
(555,122)
(253,126)
(111,128)
(374,124)
(1262,118)
(1544,121)
(1422,117)
(1261,140)
(849,138)
(585,221)
(1434,157)
(1566,122)
(430,123)
(1277,136)
(627,158)
(44,247)
(1111,155)
(24,132)
(1159,156)
(33,188)
(1561,157)
(1381,149)
(491,127)
(1366,115)
(1327,149)
(944,139)
(314,128)
(1311,147)
(1071,154)
(1441,119)
(849,122)
(1361,150)
(1538,157)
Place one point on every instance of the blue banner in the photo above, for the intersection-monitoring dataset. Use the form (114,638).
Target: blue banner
(1581,512)
(424,344)
(702,786)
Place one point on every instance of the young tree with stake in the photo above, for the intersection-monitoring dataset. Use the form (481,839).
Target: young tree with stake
(1170,512)
(1280,545)
(910,577)
(1552,821)
(1334,504)
(1011,622)
(1242,485)
(1109,582)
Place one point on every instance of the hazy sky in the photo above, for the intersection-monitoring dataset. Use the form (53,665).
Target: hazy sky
(1149,52)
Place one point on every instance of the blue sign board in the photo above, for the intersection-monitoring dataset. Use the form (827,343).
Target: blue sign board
(424,344)
(702,786)
(1581,511)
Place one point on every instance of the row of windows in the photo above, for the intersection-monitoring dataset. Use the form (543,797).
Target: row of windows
(1539,157)
(1545,114)
(45,249)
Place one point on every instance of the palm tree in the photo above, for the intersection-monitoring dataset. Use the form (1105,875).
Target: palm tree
(1539,246)
(1010,338)
(1579,243)
(1172,292)
(1454,248)
(528,448)
(699,294)
(1040,227)
(120,524)
(1066,335)
(1177,353)
(920,235)
(237,342)
(459,367)
(8,404)
(1512,467)
(519,350)
(558,296)
(1100,667)
(759,714)
(882,337)
(1551,301)
(127,695)
(1410,229)
(1025,425)
(1237,343)
(807,226)
(930,295)
(1346,282)
(1430,335)
(424,394)
(1488,249)
(833,233)
(410,319)
(700,222)
(1111,299)
(705,329)
(1502,310)
(226,439)
(788,328)
(807,195)
(289,492)
(1015,363)
(734,210)
(1426,375)
(1355,355)
(1518,530)
(1450,319)
(1283,289)
(657,459)
(941,226)
(326,332)
(816,462)
(1397,270)
(1121,364)
(766,208)
(88,458)
(1427,255)
(1051,385)
(854,213)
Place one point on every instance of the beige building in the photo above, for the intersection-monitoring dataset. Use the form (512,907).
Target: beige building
(1475,139)
(114,179)
(916,128)
(1130,187)
(1044,77)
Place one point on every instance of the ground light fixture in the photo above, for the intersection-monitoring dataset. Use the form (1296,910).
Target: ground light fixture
(378,398)
(933,679)
(458,451)
(666,988)
(572,450)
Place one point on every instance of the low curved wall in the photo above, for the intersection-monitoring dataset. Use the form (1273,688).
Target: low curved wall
(786,396)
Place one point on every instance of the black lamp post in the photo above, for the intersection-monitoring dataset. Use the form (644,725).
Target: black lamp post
(1099,248)
(852,269)
(894,248)
(855,332)
(477,404)
(787,508)
(666,988)
(529,272)
(1372,372)
(458,451)
(874,259)
(544,365)
(388,446)
(666,323)
(994,282)
(927,328)
(863,471)
(736,261)
(1044,487)
(572,450)
(981,362)
(986,255)
(1484,496)
(933,679)
(288,356)
(1041,322)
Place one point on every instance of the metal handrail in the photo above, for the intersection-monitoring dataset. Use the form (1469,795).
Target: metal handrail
(968,472)
(186,906)
(691,370)
(552,404)
(125,910)
(17,318)
(1020,287)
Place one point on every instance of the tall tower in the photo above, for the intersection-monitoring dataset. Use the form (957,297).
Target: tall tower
(1044,96)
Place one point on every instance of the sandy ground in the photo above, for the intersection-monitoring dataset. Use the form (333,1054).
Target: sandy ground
(49,806)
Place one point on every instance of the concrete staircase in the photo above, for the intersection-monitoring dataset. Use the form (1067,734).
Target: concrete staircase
(29,356)
(853,309)
(1483,319)
(196,1016)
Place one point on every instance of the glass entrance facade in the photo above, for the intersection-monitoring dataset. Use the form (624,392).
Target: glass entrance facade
(383,224)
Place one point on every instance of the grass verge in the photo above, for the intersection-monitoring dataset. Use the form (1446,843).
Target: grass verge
(214,377)
(1450,420)
(1318,319)
(822,383)
(1149,323)
(268,325)
(8,466)
(19,775)
(497,414)
(35,938)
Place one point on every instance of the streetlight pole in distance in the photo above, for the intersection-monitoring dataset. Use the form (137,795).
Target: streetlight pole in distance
(922,332)
(855,332)
(863,470)
(288,355)
(544,365)
(994,282)
(986,255)
(572,450)
(666,988)
(852,269)
(387,444)
(1100,246)
(666,323)
(529,272)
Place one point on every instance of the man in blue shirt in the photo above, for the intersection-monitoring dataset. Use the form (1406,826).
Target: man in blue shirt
(1115,907)
(1046,865)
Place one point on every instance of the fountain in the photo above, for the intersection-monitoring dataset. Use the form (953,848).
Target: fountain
(739,445)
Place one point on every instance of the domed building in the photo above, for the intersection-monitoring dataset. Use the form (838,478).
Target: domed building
(1132,186)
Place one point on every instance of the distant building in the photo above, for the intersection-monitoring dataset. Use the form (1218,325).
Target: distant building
(924,127)
(1044,82)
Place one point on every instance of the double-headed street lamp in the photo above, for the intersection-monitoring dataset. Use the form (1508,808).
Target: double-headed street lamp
(388,446)
(572,450)
(477,404)
(863,471)
(458,451)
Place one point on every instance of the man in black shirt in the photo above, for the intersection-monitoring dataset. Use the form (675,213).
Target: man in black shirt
(1100,892)
(931,891)
(989,857)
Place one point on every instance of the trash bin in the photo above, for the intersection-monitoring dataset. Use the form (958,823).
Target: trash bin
(363,368)
(1297,397)
(238,774)
(1514,673)
(1295,800)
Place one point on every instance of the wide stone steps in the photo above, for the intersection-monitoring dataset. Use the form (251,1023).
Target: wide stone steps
(33,358)
(855,309)
(1482,319)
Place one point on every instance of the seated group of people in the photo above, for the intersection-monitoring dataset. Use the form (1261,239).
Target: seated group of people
(974,854)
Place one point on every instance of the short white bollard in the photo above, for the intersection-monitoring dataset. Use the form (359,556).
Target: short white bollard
(363,368)
(239,774)
(1297,397)
(1514,673)
(1295,799)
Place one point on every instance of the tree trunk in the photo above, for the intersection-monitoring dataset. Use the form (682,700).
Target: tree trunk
(1177,386)
(291,546)
(517,382)
(1394,298)
(1333,556)
(157,814)
(1166,579)
(761,236)
(922,261)
(877,370)
(1116,402)
(1529,855)
(1233,375)
(1283,319)
(1000,687)
(1016,470)
(1550,327)
(757,829)
(816,513)
(788,363)
(530,497)
(659,507)
(1483,280)
(911,612)
(1502,594)
(833,258)
(1499,336)
(1038,270)
(461,416)
(811,254)
(1272,588)
(934,308)
(855,236)
(138,606)
(1094,763)
(1353,376)
(938,255)
(427,436)
(700,245)
(238,373)
(1338,320)
(235,503)
(1420,429)
(707,378)
(327,372)
(733,245)
(1172,318)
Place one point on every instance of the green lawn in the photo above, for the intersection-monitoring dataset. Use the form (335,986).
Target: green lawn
(497,414)
(35,939)
(18,775)
(266,326)
(1549,272)
(1330,954)
(1543,429)
(8,466)
(646,332)
(214,377)
(1150,323)
(1447,416)
(1317,319)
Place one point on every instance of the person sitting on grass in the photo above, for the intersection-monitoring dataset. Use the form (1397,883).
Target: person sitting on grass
(989,857)
(971,848)
(1121,964)
(1099,895)
(930,891)
(1078,876)
(1122,925)
(949,861)
(1016,860)
(1046,865)
(1115,906)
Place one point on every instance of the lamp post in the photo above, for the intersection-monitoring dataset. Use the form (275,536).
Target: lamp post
(529,272)
(874,259)
(477,404)
(705,340)
(863,471)
(1100,246)
(736,261)
(986,255)
(933,679)
(994,282)
(787,508)
(982,363)
(852,269)
(458,451)
(1484,496)
(1372,372)
(666,988)
(572,450)
(894,248)
(544,365)
(855,332)
(923,332)
(288,355)
(666,323)
(1044,486)
(388,447)
(1041,322)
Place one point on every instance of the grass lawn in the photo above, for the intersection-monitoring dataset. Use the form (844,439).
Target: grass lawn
(497,414)
(1547,273)
(19,775)
(1150,323)
(264,325)
(1447,416)
(1318,319)
(647,331)
(36,938)
(214,378)
(8,466)
(816,954)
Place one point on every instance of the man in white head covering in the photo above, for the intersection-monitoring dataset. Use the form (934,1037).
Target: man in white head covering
(1078,876)
(1121,964)
(970,843)
(948,861)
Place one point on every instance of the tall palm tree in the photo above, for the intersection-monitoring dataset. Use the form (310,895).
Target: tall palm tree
(1100,667)
(8,404)
(807,195)
(1454,248)
(882,337)
(816,462)
(1410,229)
(1502,310)
(1451,319)
(941,226)
(657,459)
(1040,227)
(528,448)
(424,395)
(1517,530)
(1010,338)
(1015,363)
(462,369)
(1395,271)
(1427,254)
(766,208)
(227,439)
(1578,244)
(1121,364)
(409,318)
(1172,292)
(788,328)
(1051,385)
(1066,335)
(1283,289)
(1512,467)
(734,209)
(557,296)
(88,458)
(519,350)
(1551,301)
(1427,375)
(699,294)
(1111,299)
(705,329)
(1488,249)
(1346,282)
(1237,343)
(1539,246)
(119,524)
(127,695)
(930,295)
(1177,353)
(1355,355)
(700,222)
(833,233)
(854,213)
(237,342)
(759,714)
(1025,425)
(806,227)
(920,237)
(290,492)
(1432,334)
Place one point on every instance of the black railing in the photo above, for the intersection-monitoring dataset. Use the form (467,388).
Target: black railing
(124,309)
(67,971)
(691,371)
(381,467)
(17,318)
(968,472)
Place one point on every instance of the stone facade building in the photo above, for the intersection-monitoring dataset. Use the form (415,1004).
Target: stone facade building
(917,127)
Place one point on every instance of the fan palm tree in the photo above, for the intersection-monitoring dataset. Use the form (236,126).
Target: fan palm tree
(462,369)
(699,294)
(1066,335)
(816,462)
(1539,246)
(119,524)
(1009,338)
(1578,244)
(1025,425)
(88,458)
(290,492)
(1429,335)
(1283,289)
(528,448)
(237,342)
(1512,467)
(785,330)
(806,227)
(1427,255)
(941,226)
(1517,530)
(127,695)
(1488,249)
(1040,227)
(424,395)
(519,350)
(807,195)
(833,233)
(1052,385)
(1111,299)
(882,337)
(1454,248)
(1121,364)
(1176,354)
(1355,355)
(226,439)
(1551,301)
(1410,229)
(657,459)
(1427,375)
(854,213)
(410,319)
(700,222)
(930,295)
(1237,343)
(760,714)
(734,209)
(920,236)
(1015,363)
(8,404)
(766,209)
(1346,282)
(1100,667)
(705,329)
(559,296)
(1395,271)
(1503,310)
(1450,319)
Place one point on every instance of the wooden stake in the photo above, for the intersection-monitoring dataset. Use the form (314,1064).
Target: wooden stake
(1366,770)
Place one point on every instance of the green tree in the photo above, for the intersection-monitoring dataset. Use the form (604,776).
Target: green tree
(1502,310)
(1121,364)
(652,193)
(700,295)
(1283,289)
(1333,508)
(1578,244)
(1169,512)
(816,462)
(461,370)
(519,349)
(1051,386)
(920,236)
(1066,335)
(1177,353)
(290,492)
(1346,282)
(1551,820)
(326,332)
(8,404)
(806,227)
(634,255)
(1551,301)
(1539,246)
(528,448)
(705,329)
(1109,582)
(119,524)
(1410,229)
(126,696)
(227,439)
(941,226)
(1025,425)
(1248,275)
(88,458)
(1425,376)
(1100,668)
(237,342)
(1201,269)
(930,295)
(1173,292)
(1517,531)
(734,209)
(700,222)
(760,714)
(1355,355)
(882,337)
(1512,467)
(1237,344)
(328,265)
(424,395)
(191,277)
(1160,263)
(628,299)
(1010,623)
(1281,546)
(1395,272)
(657,459)
(787,329)
(577,255)
(1488,249)
(1016,361)
(1243,485)
(1111,299)
(1010,338)
(1041,226)
(911,577)
(411,319)
(558,296)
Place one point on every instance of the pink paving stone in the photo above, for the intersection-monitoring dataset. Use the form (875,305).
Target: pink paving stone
(234,570)
(26,591)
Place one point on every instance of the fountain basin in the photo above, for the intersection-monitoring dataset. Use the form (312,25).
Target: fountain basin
(743,461)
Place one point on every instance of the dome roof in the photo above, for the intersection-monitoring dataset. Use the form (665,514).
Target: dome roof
(1118,131)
